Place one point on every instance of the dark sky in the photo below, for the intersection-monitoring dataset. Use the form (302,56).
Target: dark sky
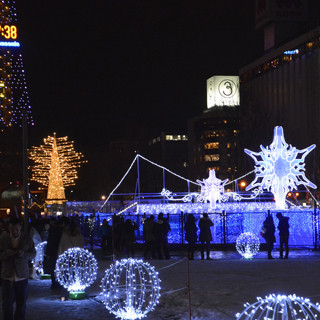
(103,70)
(97,68)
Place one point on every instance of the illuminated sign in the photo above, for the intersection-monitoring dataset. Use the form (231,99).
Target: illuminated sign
(223,91)
(9,32)
(296,51)
(9,44)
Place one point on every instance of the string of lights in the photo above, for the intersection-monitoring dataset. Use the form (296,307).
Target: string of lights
(55,165)
(14,96)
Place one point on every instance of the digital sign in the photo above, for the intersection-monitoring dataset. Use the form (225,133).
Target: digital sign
(8,32)
(223,91)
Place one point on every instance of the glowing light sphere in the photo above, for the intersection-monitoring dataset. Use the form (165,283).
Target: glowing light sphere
(38,259)
(280,307)
(76,269)
(248,244)
(130,288)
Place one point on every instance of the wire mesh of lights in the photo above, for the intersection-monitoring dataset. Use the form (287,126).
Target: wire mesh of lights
(280,307)
(76,269)
(130,288)
(248,245)
(38,259)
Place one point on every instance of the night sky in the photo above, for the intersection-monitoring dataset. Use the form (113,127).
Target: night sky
(104,70)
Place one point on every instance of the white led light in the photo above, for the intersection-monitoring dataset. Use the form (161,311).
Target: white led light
(130,288)
(76,269)
(280,307)
(280,168)
(38,259)
(248,245)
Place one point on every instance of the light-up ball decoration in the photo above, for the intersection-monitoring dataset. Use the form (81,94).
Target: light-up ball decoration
(130,288)
(248,245)
(280,307)
(76,269)
(38,259)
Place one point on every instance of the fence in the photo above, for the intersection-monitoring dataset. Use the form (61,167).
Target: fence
(304,225)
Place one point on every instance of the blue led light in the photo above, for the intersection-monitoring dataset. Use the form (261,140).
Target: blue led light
(296,51)
(9,44)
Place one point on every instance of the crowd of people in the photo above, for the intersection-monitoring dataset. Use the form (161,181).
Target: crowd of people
(17,245)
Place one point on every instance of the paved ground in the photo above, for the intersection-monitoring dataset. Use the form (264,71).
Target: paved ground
(45,303)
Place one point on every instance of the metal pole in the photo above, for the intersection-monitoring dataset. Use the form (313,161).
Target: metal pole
(25,170)
(138,168)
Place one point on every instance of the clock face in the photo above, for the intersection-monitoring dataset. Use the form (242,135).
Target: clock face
(8,32)
(227,88)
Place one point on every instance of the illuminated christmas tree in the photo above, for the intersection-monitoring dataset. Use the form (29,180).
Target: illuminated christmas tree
(14,100)
(55,166)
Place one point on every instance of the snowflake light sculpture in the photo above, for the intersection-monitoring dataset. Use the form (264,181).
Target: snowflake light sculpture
(212,189)
(248,244)
(130,288)
(279,307)
(38,259)
(75,270)
(279,168)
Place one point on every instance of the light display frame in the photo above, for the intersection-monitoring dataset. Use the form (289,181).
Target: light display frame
(130,288)
(279,307)
(248,245)
(76,269)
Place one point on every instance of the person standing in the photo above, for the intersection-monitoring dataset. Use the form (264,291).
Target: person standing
(268,234)
(16,250)
(161,229)
(205,235)
(149,237)
(130,237)
(191,235)
(283,227)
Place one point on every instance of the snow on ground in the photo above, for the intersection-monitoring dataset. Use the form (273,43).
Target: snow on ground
(219,288)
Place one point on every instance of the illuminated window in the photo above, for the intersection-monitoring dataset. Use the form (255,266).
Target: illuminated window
(211,145)
(235,132)
(211,134)
(228,145)
(225,121)
(176,137)
(211,157)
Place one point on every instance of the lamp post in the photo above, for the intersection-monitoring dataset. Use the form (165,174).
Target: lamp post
(25,169)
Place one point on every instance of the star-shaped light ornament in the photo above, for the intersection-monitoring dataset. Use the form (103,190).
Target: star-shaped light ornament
(280,168)
(212,189)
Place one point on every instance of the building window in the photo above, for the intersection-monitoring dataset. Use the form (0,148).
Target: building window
(176,137)
(211,157)
(211,134)
(211,145)
(228,145)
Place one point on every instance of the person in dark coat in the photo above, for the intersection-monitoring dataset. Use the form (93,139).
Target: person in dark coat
(283,227)
(149,238)
(129,237)
(268,230)
(191,235)
(51,253)
(161,229)
(205,235)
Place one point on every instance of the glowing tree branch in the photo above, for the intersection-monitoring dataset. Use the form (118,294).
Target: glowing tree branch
(212,189)
(280,168)
(55,166)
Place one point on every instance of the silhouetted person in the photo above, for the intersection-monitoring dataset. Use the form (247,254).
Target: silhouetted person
(161,229)
(129,237)
(268,234)
(149,238)
(283,227)
(205,235)
(191,235)
(16,250)
(51,254)
(105,234)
